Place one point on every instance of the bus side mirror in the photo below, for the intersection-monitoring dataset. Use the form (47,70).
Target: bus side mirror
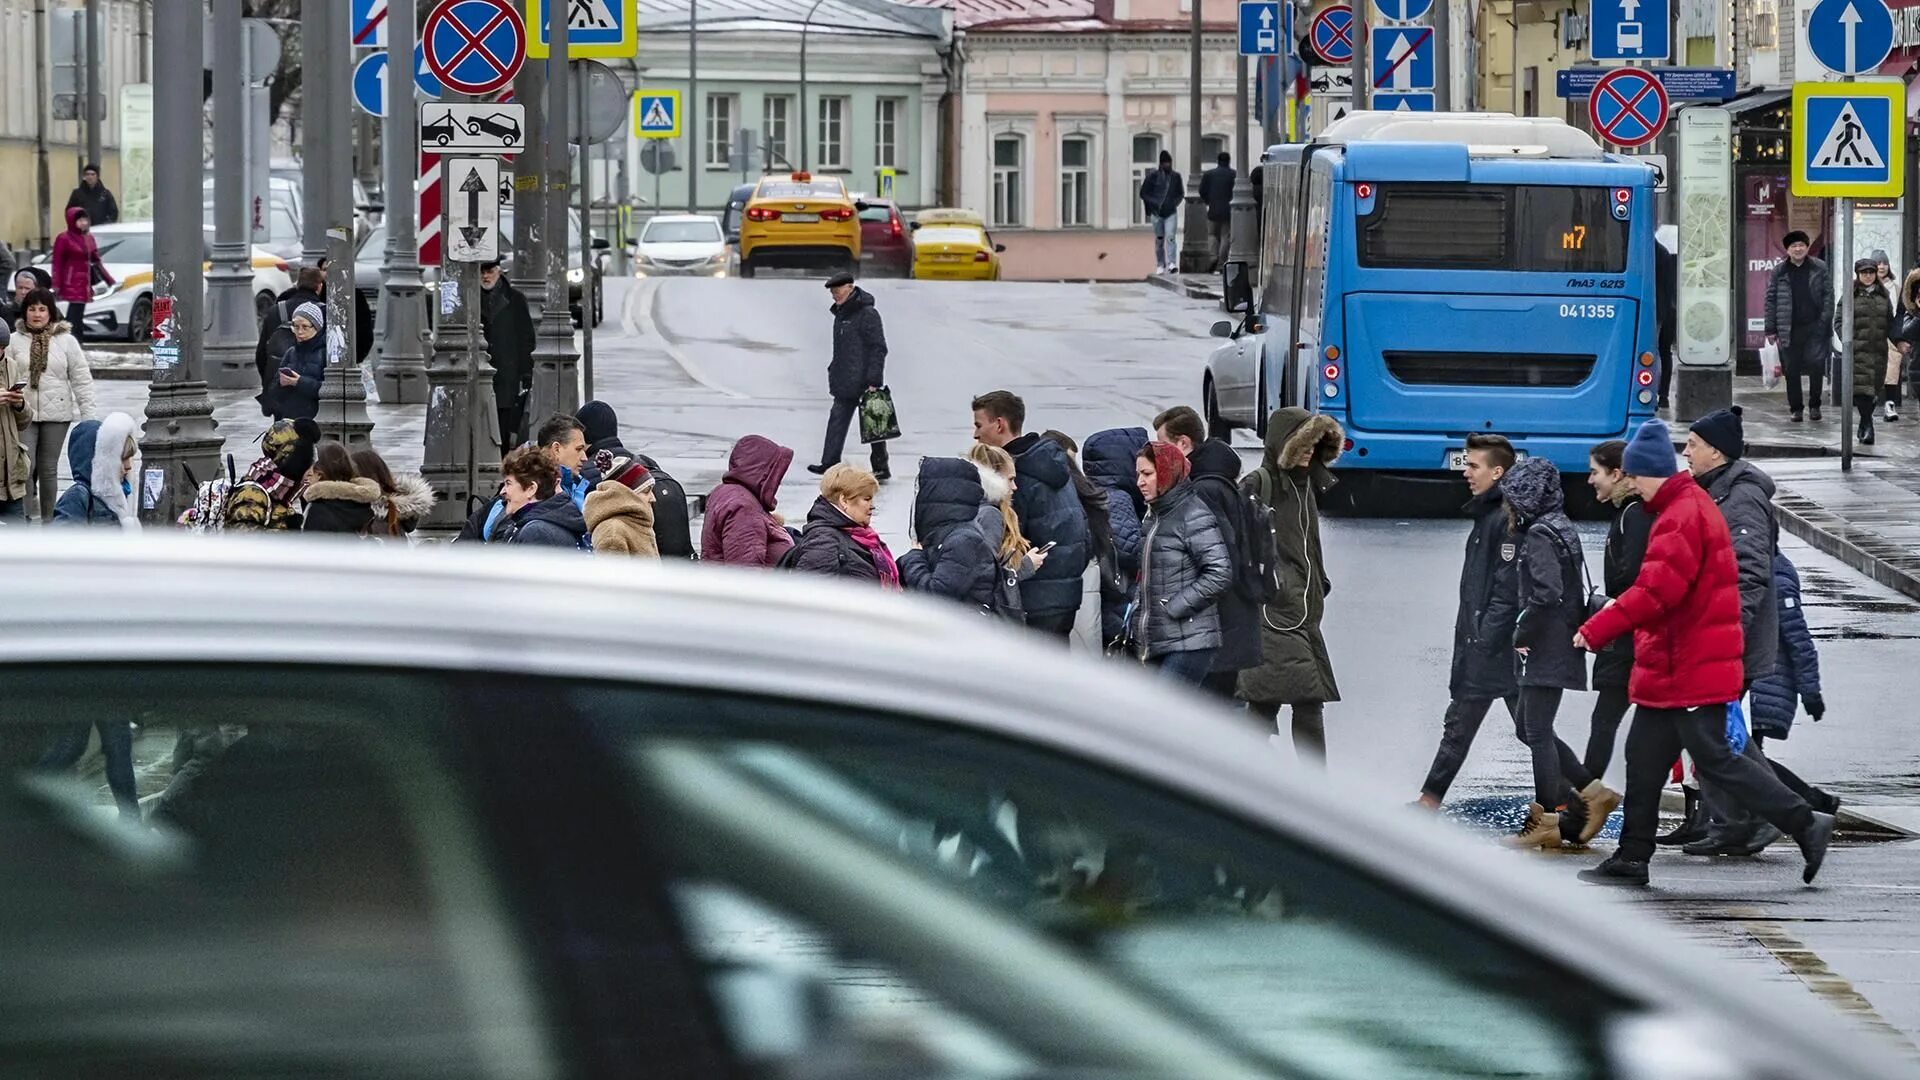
(1236,287)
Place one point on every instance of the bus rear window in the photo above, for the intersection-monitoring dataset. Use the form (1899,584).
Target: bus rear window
(1533,228)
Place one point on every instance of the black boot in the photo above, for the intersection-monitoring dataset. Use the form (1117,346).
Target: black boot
(1616,871)
(1693,825)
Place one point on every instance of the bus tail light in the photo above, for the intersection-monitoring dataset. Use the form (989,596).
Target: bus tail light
(1365,191)
(1331,352)
(1331,371)
(761,213)
(1347,446)
(1645,377)
(1646,359)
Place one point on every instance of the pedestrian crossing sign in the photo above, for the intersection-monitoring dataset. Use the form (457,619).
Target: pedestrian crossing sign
(656,114)
(1849,139)
(596,29)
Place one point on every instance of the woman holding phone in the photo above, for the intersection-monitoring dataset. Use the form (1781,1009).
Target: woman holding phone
(303,367)
(58,388)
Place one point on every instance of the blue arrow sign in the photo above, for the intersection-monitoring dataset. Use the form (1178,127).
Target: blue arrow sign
(423,76)
(1630,30)
(370,84)
(1418,101)
(1850,37)
(1402,10)
(1402,58)
(370,23)
(1260,28)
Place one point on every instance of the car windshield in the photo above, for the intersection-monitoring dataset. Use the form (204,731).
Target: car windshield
(950,234)
(681,232)
(798,189)
(128,247)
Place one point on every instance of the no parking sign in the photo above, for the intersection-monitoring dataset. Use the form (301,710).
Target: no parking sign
(1628,106)
(474,46)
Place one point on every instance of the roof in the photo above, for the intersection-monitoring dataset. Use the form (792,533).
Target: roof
(871,17)
(1051,16)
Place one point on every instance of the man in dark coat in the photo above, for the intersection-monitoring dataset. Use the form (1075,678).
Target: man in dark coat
(1215,471)
(672,530)
(1216,190)
(507,324)
(859,365)
(1799,298)
(1049,509)
(92,196)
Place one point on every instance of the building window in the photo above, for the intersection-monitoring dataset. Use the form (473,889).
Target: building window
(886,131)
(1211,147)
(776,111)
(720,114)
(1076,181)
(1764,27)
(1530,93)
(831,140)
(1008,152)
(1146,158)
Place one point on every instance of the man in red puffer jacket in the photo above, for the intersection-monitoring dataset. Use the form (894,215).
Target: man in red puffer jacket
(1688,664)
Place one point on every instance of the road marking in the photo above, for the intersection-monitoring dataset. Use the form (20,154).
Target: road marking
(637,315)
(1805,964)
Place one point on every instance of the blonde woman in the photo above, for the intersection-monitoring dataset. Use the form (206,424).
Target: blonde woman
(996,517)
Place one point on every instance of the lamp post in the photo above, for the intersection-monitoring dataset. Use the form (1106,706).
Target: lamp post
(402,373)
(1193,246)
(805,24)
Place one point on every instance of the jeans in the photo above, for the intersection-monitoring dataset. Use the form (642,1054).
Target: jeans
(1188,665)
(1457,730)
(1658,735)
(837,423)
(1219,238)
(116,745)
(44,441)
(14,509)
(1604,729)
(1558,775)
(1166,251)
(1795,365)
(1059,624)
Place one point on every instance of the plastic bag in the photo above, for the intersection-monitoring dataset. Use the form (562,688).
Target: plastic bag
(1770,365)
(1736,728)
(878,421)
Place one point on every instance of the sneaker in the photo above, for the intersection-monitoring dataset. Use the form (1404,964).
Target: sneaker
(1601,801)
(1159,268)
(1616,871)
(883,475)
(1887,411)
(1813,842)
(1866,433)
(1542,829)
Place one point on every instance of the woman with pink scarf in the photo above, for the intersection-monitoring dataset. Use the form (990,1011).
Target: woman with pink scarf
(838,538)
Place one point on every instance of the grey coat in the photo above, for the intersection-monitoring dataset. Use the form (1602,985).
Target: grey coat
(1780,313)
(1184,567)
(1745,497)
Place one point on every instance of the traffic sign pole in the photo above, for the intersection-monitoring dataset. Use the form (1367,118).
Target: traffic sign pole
(1362,66)
(1843,386)
(556,379)
(231,327)
(400,376)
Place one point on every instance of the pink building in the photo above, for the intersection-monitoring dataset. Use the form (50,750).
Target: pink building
(1063,106)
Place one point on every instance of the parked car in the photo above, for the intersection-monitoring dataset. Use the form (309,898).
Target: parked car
(681,245)
(280,212)
(884,246)
(854,862)
(123,311)
(954,245)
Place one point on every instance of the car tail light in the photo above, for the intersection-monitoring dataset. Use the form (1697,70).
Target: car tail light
(803,177)
(893,226)
(761,213)
(839,214)
(981,256)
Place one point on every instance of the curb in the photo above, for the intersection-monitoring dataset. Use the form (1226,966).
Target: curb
(1826,531)
(1859,822)
(1189,289)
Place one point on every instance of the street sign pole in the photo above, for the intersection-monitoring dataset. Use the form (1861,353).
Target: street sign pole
(231,334)
(1843,386)
(1195,256)
(556,377)
(1242,245)
(586,229)
(315,39)
(1362,65)
(343,393)
(1442,56)
(529,269)
(401,375)
(180,441)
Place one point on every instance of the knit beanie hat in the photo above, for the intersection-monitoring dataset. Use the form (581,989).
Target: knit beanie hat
(1723,430)
(622,469)
(599,422)
(1169,464)
(1650,452)
(311,312)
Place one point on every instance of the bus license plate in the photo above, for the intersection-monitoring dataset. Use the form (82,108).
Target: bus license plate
(1457,459)
(800,219)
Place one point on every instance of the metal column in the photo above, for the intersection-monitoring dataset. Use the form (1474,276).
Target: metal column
(529,270)
(343,395)
(556,376)
(315,84)
(401,374)
(233,328)
(1243,245)
(1194,255)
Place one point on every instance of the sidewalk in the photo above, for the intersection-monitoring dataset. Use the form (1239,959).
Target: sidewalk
(1191,286)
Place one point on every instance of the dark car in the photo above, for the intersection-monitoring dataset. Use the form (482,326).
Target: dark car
(884,246)
(736,210)
(500,125)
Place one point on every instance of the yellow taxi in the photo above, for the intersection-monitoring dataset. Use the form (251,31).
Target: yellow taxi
(799,221)
(954,245)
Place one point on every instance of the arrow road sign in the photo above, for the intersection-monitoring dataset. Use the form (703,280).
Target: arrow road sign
(1630,30)
(1402,10)
(1850,37)
(474,46)
(1628,107)
(1331,34)
(370,84)
(1402,57)
(1848,139)
(472,228)
(1418,101)
(1259,28)
(596,29)
(370,23)
(473,127)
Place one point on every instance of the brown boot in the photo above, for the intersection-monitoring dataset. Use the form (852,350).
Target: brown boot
(1542,829)
(1601,801)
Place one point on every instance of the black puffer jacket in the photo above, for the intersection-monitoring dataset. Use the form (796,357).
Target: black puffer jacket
(340,506)
(825,547)
(1489,602)
(1549,577)
(1873,326)
(1050,513)
(954,558)
(1626,547)
(859,347)
(1183,569)
(1745,496)
(1215,468)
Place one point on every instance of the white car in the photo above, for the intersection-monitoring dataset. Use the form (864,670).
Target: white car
(681,245)
(123,311)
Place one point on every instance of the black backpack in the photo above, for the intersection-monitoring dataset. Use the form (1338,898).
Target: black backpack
(1256,573)
(672,528)
(278,342)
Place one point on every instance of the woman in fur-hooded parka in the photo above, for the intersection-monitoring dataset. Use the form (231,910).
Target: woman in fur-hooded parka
(1294,666)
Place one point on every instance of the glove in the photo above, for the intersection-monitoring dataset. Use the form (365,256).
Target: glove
(1816,705)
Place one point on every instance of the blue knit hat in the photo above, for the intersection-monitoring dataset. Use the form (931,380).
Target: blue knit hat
(1650,452)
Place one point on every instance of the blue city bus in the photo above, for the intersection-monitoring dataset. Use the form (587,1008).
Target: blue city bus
(1424,277)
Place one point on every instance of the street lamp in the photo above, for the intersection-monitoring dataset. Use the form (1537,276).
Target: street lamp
(804,24)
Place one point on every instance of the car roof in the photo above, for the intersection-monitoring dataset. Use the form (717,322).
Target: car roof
(155,598)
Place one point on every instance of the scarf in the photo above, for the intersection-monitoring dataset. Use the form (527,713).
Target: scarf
(882,558)
(1169,465)
(42,343)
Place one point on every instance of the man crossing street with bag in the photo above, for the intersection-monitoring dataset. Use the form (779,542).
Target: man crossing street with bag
(859,365)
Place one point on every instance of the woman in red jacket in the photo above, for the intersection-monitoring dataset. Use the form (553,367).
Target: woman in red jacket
(1688,665)
(76,258)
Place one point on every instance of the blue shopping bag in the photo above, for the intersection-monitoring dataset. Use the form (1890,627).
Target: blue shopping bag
(1736,728)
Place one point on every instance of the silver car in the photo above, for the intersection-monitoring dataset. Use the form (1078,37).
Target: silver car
(474,813)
